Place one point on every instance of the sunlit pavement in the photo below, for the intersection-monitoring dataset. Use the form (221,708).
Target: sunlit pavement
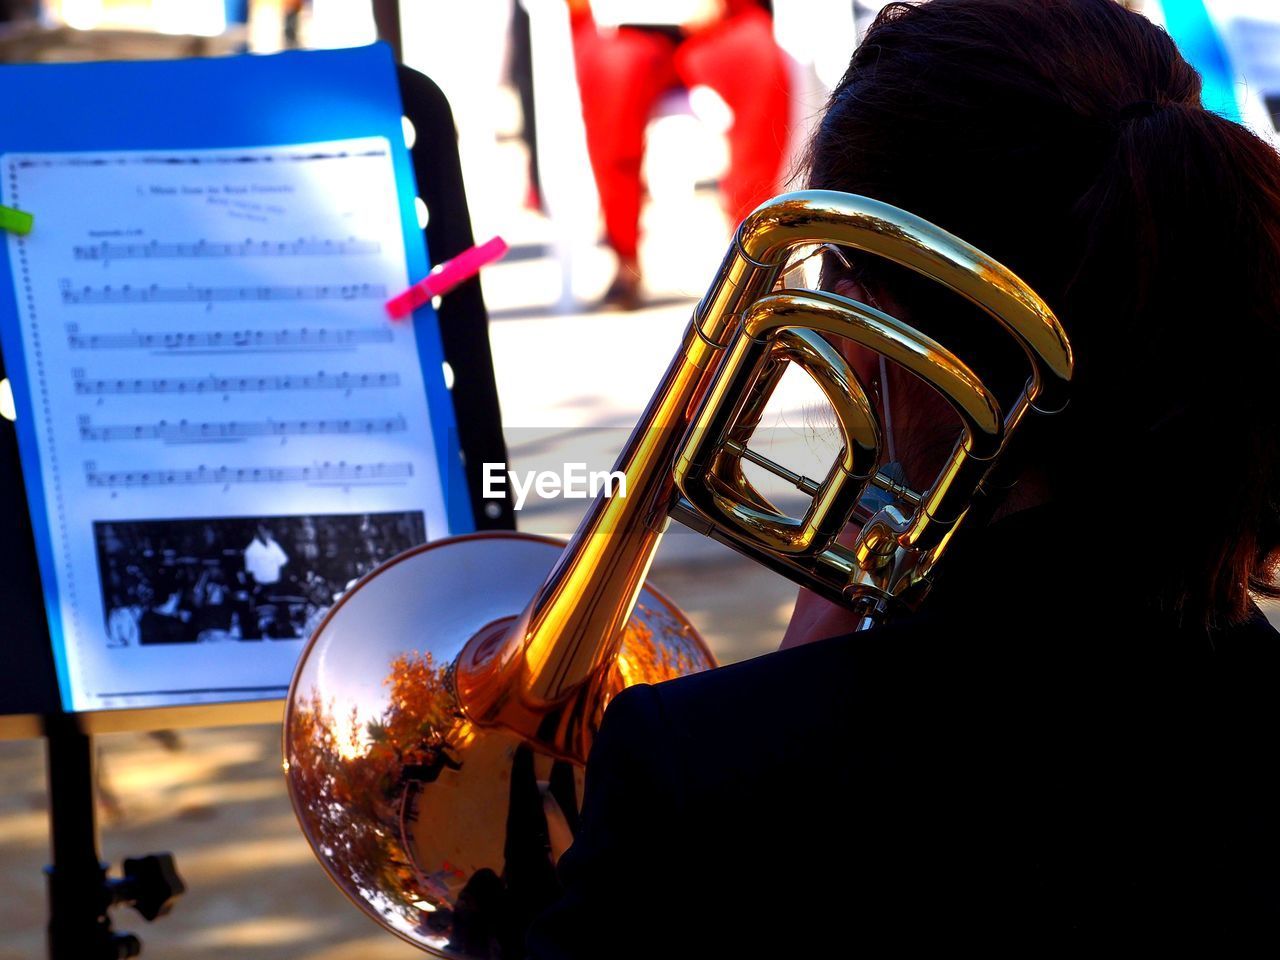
(216,798)
(218,802)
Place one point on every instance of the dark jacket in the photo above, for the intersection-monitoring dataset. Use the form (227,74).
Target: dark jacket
(1029,765)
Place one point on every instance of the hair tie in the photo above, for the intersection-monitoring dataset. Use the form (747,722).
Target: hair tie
(1137,110)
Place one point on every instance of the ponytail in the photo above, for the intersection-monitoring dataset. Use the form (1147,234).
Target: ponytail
(1180,285)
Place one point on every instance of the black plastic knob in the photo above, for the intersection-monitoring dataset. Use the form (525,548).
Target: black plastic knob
(151,884)
(127,946)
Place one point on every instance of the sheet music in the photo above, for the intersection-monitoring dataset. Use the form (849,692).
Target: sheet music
(229,428)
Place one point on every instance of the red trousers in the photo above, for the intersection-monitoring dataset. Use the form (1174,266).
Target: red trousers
(623,73)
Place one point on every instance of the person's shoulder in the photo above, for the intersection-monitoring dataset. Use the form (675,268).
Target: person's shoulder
(720,731)
(794,672)
(813,678)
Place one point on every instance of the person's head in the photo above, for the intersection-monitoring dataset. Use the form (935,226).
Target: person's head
(1066,138)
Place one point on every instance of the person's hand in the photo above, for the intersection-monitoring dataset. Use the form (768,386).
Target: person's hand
(493,912)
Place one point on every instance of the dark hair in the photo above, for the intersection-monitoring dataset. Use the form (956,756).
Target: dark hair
(1067,139)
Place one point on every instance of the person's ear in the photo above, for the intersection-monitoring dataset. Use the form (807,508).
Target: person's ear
(865,363)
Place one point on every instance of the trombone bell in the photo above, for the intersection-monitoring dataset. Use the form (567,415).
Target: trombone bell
(417,813)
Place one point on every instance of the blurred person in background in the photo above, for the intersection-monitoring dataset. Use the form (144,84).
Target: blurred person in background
(628,54)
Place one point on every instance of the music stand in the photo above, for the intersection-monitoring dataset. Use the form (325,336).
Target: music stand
(80,891)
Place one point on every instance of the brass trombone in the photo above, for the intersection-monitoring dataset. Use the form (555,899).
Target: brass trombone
(437,701)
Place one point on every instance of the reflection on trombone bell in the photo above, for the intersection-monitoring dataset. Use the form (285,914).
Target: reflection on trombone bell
(439,719)
(376,777)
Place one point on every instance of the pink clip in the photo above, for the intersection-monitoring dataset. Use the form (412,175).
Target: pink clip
(446,276)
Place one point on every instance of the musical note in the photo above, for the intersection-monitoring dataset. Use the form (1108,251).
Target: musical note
(186,431)
(126,293)
(199,386)
(321,473)
(156,250)
(301,338)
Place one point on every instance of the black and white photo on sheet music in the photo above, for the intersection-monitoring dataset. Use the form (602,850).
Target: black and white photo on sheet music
(238,578)
(224,415)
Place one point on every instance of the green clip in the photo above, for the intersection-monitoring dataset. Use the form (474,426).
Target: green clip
(15,221)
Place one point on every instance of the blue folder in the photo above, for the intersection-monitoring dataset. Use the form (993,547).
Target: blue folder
(241,101)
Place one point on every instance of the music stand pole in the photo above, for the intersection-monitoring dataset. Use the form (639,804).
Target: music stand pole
(79,892)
